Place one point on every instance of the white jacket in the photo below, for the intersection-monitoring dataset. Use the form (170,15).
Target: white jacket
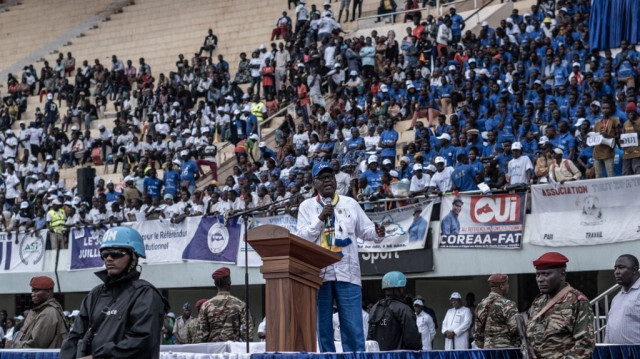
(351,222)
(457,321)
(427,329)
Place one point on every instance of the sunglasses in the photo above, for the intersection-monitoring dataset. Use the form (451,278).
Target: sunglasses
(114,253)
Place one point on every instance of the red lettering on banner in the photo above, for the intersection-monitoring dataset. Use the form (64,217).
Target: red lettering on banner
(503,208)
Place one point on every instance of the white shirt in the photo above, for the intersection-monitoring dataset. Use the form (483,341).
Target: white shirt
(442,180)
(427,329)
(302,12)
(371,142)
(418,184)
(256,61)
(518,168)
(11,180)
(350,222)
(457,321)
(623,324)
(343,180)
(300,138)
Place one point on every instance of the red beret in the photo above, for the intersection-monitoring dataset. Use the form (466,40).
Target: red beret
(221,273)
(631,107)
(498,278)
(551,260)
(42,283)
(200,303)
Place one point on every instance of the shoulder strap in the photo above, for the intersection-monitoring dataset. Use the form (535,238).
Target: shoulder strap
(552,302)
(489,306)
(566,165)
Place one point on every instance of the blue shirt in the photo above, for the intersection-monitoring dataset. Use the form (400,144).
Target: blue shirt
(171,182)
(374,178)
(152,186)
(450,224)
(353,143)
(456,24)
(463,177)
(111,196)
(187,172)
(388,137)
(448,154)
(566,142)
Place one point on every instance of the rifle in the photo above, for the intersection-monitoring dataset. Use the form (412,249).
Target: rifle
(527,351)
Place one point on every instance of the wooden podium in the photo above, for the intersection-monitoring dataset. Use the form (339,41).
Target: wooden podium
(291,268)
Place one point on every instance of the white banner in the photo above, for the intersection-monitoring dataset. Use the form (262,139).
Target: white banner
(404,231)
(628,140)
(587,212)
(405,228)
(26,254)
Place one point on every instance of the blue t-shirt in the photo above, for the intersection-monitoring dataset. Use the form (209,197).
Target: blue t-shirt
(374,178)
(111,196)
(456,24)
(171,182)
(187,172)
(388,137)
(463,177)
(448,153)
(152,186)
(353,143)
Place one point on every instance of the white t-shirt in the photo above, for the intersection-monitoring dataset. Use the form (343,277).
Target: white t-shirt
(518,168)
(442,180)
(11,180)
(418,184)
(255,72)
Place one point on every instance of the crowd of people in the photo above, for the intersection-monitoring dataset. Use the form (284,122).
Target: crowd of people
(525,102)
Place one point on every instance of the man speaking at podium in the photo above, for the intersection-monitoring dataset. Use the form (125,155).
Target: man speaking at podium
(335,222)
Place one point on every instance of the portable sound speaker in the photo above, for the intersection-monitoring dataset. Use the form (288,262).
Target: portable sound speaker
(86,186)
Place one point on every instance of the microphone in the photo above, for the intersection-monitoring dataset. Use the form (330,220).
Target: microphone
(326,201)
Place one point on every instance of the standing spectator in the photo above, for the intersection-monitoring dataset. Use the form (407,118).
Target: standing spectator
(456,323)
(56,219)
(519,167)
(443,37)
(623,321)
(631,157)
(302,16)
(426,325)
(495,317)
(391,322)
(457,25)
(51,114)
(180,328)
(609,127)
(45,327)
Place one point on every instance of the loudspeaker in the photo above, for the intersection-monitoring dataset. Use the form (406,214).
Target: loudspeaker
(86,186)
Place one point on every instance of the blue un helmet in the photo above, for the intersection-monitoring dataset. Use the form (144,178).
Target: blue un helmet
(394,279)
(123,237)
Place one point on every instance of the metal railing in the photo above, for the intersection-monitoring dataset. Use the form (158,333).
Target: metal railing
(365,18)
(477,11)
(442,6)
(600,318)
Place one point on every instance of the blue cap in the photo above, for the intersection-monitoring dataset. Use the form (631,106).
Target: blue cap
(319,167)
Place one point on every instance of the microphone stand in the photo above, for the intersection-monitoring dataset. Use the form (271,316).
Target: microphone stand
(245,217)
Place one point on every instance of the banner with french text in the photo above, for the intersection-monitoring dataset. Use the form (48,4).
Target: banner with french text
(482,221)
(194,239)
(590,212)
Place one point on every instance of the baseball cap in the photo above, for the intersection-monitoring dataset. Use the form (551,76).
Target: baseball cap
(393,173)
(417,167)
(386,161)
(319,167)
(455,295)
(440,159)
(262,144)
(372,159)
(418,302)
(558,151)
(445,136)
(431,168)
(516,146)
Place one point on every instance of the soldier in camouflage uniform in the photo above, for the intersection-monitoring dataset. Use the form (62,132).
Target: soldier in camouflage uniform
(564,328)
(222,317)
(495,317)
(193,335)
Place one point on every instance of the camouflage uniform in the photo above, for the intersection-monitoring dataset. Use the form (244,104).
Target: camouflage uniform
(565,331)
(193,334)
(495,320)
(222,318)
